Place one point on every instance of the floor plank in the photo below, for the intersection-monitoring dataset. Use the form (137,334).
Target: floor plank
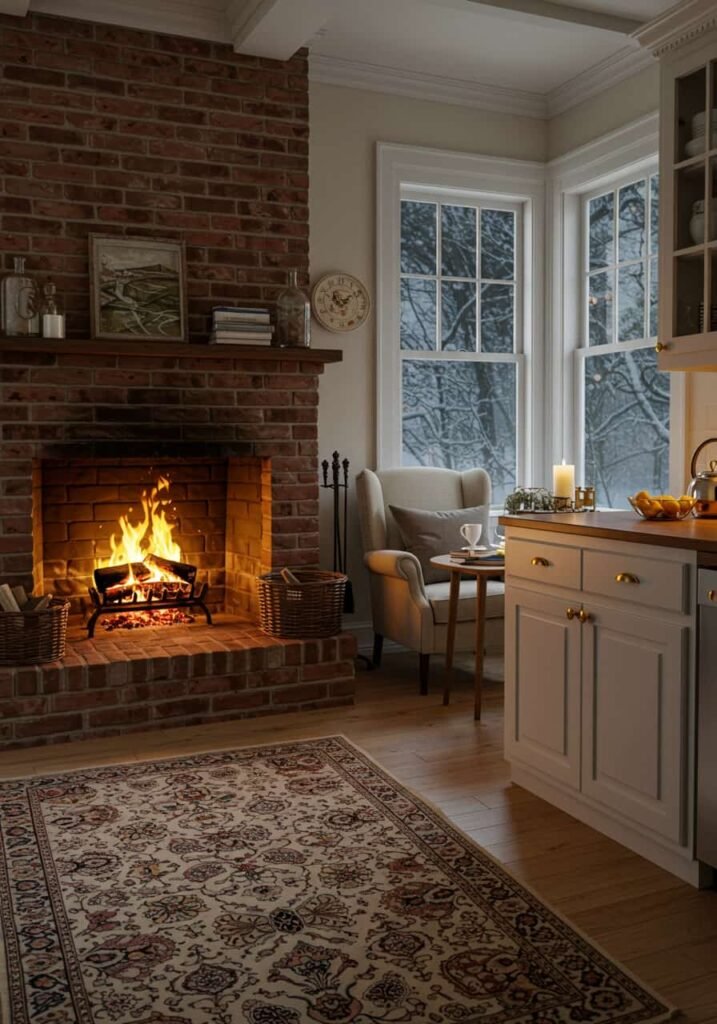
(659,927)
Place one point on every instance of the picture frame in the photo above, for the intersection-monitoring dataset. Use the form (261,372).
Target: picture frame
(138,288)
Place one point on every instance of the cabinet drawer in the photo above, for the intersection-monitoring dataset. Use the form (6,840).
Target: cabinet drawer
(543,562)
(644,582)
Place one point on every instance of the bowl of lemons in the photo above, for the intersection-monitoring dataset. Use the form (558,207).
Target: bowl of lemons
(661,506)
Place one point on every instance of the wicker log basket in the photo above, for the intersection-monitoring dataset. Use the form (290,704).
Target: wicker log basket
(32,638)
(304,604)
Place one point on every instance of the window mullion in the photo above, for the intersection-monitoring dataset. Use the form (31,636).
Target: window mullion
(439,277)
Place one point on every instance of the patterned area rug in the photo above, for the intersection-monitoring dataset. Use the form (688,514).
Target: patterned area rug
(276,885)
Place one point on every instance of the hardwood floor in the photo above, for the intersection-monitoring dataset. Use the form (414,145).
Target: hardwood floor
(657,926)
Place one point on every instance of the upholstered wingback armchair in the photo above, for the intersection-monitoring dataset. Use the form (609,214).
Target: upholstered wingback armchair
(405,609)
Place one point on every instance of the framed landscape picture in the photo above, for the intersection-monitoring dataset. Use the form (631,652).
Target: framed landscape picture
(137,289)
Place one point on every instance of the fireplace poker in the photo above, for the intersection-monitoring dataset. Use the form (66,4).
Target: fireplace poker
(349,591)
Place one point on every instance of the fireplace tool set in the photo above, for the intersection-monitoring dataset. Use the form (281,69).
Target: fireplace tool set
(135,588)
(339,483)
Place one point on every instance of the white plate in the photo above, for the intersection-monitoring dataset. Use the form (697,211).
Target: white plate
(695,146)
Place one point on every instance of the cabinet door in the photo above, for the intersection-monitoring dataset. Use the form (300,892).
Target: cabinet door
(635,684)
(542,685)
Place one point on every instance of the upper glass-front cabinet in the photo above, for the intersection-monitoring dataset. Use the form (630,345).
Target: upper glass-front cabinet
(688,234)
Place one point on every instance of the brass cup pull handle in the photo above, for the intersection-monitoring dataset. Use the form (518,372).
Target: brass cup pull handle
(540,561)
(583,616)
(626,577)
(712,595)
(570,613)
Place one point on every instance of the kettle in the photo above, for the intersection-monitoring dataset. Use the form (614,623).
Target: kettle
(703,486)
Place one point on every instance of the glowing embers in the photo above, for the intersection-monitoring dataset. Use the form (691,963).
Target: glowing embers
(144,582)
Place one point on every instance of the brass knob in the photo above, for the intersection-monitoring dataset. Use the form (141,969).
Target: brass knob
(540,561)
(712,595)
(659,347)
(570,612)
(626,577)
(583,616)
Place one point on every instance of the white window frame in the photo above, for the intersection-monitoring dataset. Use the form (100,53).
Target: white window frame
(409,172)
(617,159)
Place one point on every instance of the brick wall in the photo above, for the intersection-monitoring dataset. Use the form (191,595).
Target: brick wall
(113,130)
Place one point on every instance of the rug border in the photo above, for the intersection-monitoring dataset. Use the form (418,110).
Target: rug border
(672,1012)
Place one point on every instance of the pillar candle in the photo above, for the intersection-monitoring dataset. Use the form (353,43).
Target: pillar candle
(564,481)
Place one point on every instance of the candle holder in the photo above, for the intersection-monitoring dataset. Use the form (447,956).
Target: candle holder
(585,499)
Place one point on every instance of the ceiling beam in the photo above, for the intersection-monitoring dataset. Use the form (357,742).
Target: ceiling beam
(566,13)
(276,28)
(18,8)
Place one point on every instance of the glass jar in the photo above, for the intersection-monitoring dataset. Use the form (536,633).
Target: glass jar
(53,319)
(19,306)
(293,316)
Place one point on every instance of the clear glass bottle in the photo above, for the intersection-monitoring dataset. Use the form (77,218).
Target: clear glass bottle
(293,316)
(19,306)
(53,319)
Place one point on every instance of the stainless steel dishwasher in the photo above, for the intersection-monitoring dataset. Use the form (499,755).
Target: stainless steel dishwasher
(706,831)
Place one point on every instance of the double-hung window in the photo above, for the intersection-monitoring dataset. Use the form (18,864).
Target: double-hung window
(624,400)
(461,333)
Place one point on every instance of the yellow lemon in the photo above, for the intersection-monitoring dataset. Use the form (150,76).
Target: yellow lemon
(641,496)
(671,507)
(654,509)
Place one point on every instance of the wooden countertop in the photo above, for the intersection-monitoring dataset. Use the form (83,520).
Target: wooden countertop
(692,534)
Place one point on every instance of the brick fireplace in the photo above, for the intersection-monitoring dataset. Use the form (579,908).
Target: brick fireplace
(86,427)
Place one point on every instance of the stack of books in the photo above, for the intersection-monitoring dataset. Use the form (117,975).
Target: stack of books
(241,325)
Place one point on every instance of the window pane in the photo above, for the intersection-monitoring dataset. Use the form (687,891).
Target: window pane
(497,239)
(497,318)
(418,313)
(458,241)
(600,309)
(654,298)
(458,315)
(654,213)
(601,227)
(627,408)
(461,415)
(632,224)
(631,303)
(418,238)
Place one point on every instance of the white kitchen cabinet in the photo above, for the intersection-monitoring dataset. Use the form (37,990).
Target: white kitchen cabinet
(634,689)
(599,679)
(543,702)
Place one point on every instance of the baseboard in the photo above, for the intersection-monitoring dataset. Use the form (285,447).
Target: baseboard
(363,631)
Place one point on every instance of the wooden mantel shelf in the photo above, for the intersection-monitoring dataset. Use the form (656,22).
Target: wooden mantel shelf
(93,346)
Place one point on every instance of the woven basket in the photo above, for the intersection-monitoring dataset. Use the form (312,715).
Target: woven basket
(31,638)
(305,610)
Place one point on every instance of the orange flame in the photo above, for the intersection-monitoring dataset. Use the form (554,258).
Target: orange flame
(150,535)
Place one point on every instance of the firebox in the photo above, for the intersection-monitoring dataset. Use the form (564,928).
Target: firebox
(136,541)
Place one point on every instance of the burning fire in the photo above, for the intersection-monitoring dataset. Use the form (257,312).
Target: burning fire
(142,550)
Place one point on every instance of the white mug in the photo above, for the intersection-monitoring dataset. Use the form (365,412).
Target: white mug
(471,532)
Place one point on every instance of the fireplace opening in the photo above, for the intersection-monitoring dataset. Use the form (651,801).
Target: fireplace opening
(135,542)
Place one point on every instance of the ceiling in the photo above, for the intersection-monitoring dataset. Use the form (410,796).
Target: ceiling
(535,57)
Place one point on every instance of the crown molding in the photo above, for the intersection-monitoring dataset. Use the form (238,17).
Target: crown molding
(677,26)
(417,85)
(628,61)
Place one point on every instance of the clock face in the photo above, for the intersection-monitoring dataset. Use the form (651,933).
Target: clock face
(340,302)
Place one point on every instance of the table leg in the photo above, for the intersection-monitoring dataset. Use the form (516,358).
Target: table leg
(455,586)
(481,590)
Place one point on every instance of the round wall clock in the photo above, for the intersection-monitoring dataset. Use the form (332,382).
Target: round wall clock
(340,302)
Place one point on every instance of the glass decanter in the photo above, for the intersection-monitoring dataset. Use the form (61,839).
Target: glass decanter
(53,319)
(19,313)
(293,316)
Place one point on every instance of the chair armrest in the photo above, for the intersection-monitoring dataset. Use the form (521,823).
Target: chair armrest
(401,565)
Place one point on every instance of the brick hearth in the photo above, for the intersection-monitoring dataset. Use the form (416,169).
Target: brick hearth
(173,676)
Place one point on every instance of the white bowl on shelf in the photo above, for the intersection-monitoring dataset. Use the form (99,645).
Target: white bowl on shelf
(695,146)
(698,121)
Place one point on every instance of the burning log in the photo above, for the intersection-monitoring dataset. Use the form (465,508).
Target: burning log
(168,568)
(120,575)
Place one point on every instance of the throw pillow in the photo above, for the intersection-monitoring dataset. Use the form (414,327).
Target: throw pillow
(427,534)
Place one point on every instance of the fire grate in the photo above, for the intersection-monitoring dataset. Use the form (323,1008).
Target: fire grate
(152,586)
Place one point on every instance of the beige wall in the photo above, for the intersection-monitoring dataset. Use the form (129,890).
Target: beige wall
(346,124)
(625,102)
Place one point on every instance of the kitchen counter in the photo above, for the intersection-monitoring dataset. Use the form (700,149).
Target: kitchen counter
(689,534)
